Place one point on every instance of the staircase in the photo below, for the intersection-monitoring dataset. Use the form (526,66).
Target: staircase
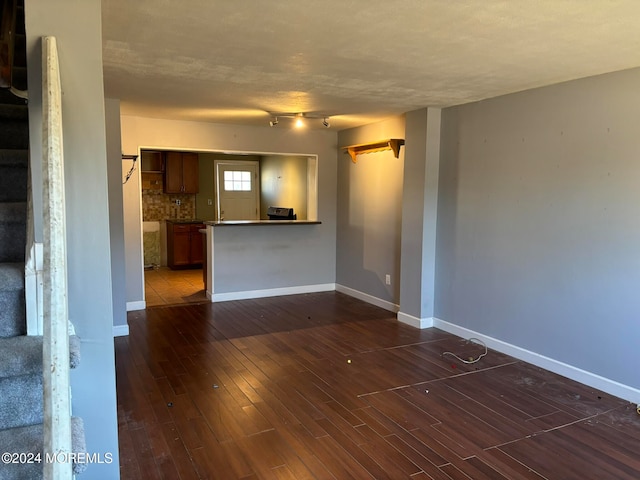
(21,356)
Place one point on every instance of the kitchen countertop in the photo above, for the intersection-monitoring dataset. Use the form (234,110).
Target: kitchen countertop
(182,220)
(240,223)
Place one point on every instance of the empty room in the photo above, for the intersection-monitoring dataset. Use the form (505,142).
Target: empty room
(321,240)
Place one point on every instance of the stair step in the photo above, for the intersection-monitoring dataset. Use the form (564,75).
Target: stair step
(13,231)
(13,175)
(13,212)
(22,355)
(30,440)
(14,112)
(12,303)
(21,401)
(11,157)
(14,134)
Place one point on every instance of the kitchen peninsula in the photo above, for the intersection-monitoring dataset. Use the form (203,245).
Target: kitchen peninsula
(261,258)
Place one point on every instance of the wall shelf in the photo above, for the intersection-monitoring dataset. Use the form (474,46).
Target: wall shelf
(393,144)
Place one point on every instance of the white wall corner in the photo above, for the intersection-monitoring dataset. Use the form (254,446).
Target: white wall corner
(415,322)
(139,305)
(593,380)
(365,297)
(120,330)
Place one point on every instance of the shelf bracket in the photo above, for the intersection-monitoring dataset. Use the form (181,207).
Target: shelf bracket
(392,144)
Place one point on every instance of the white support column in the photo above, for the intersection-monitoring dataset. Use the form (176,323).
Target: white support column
(419,217)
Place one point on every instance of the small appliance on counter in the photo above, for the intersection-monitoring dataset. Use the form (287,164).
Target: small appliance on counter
(281,213)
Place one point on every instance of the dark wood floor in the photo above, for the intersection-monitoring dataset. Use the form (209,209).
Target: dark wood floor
(323,386)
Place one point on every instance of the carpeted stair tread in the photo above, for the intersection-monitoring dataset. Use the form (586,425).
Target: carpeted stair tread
(12,300)
(13,213)
(13,231)
(14,112)
(11,278)
(15,134)
(14,157)
(22,355)
(30,440)
(21,401)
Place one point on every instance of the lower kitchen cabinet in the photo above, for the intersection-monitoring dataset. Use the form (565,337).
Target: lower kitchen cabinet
(184,245)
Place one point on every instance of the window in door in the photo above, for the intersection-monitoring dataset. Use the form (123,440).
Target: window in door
(237,181)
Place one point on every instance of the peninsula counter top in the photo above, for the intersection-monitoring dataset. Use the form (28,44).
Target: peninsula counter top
(244,223)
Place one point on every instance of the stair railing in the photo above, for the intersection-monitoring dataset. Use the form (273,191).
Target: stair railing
(57,401)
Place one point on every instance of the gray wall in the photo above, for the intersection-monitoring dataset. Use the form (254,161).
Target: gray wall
(538,225)
(140,132)
(370,213)
(88,239)
(265,257)
(116,220)
(283,183)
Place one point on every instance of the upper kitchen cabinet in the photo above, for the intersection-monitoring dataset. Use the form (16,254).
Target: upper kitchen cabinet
(181,172)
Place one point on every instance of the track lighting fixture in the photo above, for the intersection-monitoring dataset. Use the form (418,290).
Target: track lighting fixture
(300,118)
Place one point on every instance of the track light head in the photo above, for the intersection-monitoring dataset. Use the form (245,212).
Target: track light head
(273,122)
(325,122)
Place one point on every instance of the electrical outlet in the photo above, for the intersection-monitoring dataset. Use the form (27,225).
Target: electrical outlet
(387,279)
(209,202)
(178,202)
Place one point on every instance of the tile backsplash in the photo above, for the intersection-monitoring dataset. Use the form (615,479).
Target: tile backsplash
(157,206)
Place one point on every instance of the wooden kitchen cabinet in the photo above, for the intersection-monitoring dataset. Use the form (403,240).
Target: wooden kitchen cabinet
(184,245)
(181,172)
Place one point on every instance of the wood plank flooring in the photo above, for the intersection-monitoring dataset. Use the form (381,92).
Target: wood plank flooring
(323,386)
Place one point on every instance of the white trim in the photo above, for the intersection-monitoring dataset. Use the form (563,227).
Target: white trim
(33,290)
(120,330)
(272,292)
(415,322)
(139,305)
(574,373)
(365,297)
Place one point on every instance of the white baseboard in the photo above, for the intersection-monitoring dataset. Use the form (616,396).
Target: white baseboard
(591,379)
(120,330)
(415,321)
(272,292)
(365,297)
(140,305)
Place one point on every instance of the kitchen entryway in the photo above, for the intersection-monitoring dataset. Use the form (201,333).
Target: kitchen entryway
(164,286)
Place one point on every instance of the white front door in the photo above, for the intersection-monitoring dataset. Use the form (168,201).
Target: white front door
(237,190)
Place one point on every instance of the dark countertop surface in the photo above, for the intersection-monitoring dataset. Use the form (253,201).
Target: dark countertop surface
(240,223)
(181,220)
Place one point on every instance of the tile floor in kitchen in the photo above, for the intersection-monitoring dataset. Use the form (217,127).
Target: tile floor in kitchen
(164,286)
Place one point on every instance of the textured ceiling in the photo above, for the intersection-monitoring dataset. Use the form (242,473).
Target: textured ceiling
(358,61)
